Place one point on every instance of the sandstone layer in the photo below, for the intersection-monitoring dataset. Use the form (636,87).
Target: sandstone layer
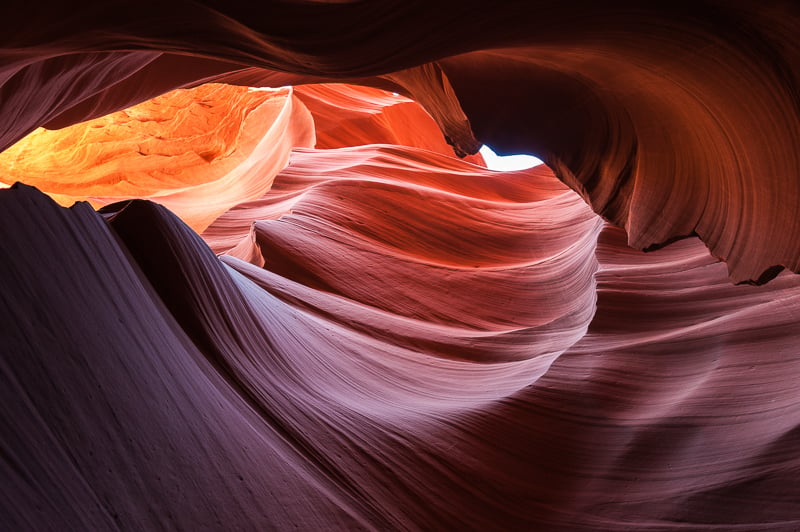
(253,275)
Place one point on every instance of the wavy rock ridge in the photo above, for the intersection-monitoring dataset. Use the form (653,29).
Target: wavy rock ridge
(296,309)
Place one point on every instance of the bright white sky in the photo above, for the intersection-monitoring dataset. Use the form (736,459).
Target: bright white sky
(508,162)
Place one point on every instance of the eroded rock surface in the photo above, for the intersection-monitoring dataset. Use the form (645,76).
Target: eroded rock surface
(297,308)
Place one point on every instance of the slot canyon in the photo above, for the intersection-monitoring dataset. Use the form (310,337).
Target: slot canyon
(255,273)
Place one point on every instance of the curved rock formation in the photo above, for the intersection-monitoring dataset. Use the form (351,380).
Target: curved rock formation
(297,308)
(351,115)
(646,111)
(198,152)
(461,261)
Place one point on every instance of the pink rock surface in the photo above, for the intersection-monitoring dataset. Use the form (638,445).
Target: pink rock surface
(669,120)
(336,324)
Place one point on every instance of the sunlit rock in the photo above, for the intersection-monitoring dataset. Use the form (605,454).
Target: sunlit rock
(196,151)
(358,329)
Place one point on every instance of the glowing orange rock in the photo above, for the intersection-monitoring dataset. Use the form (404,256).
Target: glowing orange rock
(197,151)
(352,115)
(670,119)
(415,343)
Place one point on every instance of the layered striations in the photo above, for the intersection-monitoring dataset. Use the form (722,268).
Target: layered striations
(669,120)
(198,152)
(298,308)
